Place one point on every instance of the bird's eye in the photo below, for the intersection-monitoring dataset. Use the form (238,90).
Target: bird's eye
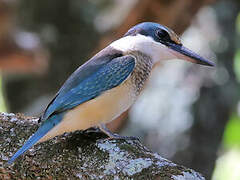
(163,35)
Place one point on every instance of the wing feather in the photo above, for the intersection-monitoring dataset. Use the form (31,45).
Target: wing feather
(107,76)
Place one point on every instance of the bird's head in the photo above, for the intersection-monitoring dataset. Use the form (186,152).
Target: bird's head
(158,42)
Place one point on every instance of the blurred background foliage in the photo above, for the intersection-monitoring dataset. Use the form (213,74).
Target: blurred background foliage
(188,113)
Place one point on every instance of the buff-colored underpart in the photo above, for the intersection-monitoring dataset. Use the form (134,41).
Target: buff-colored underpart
(102,109)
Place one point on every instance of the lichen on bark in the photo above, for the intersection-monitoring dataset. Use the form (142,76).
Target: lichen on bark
(80,155)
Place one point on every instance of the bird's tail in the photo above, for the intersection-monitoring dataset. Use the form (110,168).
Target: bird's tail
(42,131)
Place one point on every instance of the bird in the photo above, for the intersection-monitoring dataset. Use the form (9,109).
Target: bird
(109,83)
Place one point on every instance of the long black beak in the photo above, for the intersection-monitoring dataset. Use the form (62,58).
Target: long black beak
(186,54)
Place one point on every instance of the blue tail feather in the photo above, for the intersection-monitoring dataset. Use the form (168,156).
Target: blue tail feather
(43,130)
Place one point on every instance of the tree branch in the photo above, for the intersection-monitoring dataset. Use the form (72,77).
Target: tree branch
(80,155)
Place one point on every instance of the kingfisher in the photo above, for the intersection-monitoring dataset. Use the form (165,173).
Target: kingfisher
(109,83)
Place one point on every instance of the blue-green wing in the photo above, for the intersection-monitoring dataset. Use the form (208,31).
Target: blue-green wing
(78,90)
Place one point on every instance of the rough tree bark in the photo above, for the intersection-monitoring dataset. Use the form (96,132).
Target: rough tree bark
(80,155)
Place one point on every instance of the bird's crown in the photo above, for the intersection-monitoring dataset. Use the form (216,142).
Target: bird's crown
(157,31)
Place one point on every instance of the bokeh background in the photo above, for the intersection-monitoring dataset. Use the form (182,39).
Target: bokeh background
(189,114)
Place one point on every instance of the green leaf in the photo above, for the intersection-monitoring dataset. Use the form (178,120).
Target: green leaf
(231,136)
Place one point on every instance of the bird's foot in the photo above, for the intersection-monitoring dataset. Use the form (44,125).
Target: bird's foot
(92,130)
(117,136)
(111,135)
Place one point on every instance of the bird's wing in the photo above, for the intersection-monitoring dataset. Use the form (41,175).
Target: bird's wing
(88,82)
(77,90)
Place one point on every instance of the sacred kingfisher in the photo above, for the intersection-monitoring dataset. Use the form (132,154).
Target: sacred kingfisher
(109,83)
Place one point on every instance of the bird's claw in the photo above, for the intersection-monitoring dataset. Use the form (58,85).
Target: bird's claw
(116,136)
(92,130)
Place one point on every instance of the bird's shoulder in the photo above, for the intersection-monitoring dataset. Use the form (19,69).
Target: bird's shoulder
(90,67)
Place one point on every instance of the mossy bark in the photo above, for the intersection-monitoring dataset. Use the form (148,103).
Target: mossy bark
(80,155)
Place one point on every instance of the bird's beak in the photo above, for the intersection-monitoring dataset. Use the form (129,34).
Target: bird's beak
(182,52)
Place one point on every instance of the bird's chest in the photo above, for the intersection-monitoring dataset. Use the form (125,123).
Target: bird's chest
(141,71)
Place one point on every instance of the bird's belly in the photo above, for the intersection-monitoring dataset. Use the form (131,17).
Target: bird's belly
(101,109)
